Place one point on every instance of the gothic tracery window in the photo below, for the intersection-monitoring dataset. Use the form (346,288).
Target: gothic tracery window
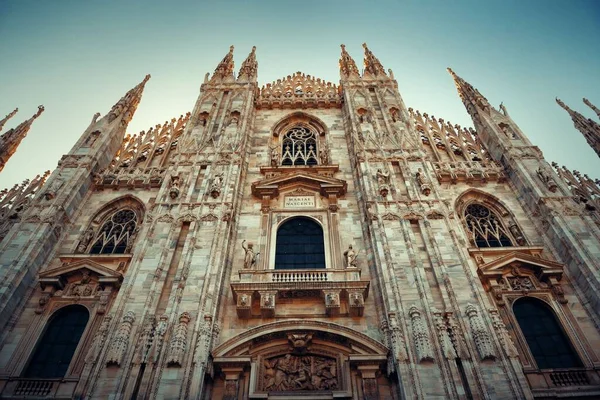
(116,233)
(56,348)
(299,147)
(486,228)
(547,342)
(300,245)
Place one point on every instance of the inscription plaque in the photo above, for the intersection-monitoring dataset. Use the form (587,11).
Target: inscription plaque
(299,201)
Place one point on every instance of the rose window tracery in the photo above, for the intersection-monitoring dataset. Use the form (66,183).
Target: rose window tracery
(299,147)
(486,228)
(116,234)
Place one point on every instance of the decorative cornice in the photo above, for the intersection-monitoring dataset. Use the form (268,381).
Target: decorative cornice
(299,91)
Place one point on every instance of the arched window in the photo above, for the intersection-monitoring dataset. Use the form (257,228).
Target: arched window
(300,245)
(486,227)
(546,340)
(299,147)
(55,349)
(116,234)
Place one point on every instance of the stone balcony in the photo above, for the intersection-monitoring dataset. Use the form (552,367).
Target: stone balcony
(258,291)
(556,383)
(26,388)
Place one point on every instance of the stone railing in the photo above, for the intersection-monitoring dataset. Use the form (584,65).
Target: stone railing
(300,275)
(130,178)
(337,289)
(569,378)
(38,388)
(31,388)
(468,171)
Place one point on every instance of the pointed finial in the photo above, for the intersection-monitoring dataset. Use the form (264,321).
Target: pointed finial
(372,65)
(249,68)
(468,93)
(225,67)
(347,65)
(12,138)
(589,128)
(560,103)
(593,107)
(8,116)
(128,104)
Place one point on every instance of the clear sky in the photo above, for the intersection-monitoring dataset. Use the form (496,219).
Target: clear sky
(79,57)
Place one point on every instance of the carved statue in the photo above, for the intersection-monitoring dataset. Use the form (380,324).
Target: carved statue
(131,239)
(215,187)
(249,257)
(83,286)
(53,188)
(324,155)
(423,182)
(350,257)
(383,177)
(547,179)
(85,240)
(174,188)
(274,156)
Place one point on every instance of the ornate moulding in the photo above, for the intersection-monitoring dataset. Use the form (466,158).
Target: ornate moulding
(300,178)
(303,177)
(339,289)
(299,91)
(300,359)
(469,172)
(520,273)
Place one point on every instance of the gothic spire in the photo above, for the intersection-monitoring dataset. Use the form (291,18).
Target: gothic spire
(8,116)
(589,128)
(586,101)
(249,68)
(225,68)
(12,138)
(348,67)
(468,94)
(128,104)
(372,65)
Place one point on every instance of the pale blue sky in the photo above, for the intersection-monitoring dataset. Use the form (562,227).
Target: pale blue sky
(78,57)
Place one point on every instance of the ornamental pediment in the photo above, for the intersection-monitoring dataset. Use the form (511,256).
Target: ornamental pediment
(325,185)
(514,262)
(58,276)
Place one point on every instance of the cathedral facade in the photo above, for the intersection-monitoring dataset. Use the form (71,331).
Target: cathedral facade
(301,240)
